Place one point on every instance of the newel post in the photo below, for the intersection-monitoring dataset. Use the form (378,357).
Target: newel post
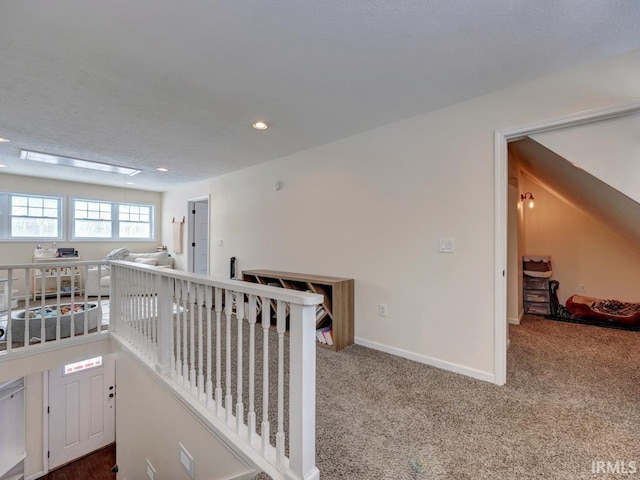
(302,393)
(165,315)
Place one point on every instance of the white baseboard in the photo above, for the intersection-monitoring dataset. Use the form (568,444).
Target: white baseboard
(434,362)
(516,321)
(35,475)
(245,476)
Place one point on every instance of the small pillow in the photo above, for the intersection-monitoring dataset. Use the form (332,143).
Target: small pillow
(117,254)
(147,261)
(160,257)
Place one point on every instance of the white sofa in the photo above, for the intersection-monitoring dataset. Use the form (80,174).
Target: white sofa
(99,283)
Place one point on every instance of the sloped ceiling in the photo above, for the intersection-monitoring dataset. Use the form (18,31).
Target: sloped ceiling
(584,191)
(151,83)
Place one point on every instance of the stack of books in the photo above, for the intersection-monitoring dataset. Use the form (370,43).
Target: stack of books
(325,336)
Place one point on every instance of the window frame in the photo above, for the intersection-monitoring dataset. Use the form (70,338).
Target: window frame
(6,217)
(115,221)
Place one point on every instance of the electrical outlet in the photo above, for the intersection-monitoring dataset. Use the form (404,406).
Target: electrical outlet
(446,245)
(382,310)
(583,288)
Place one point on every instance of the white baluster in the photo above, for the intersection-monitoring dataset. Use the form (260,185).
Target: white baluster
(173,285)
(209,384)
(281,327)
(266,324)
(200,304)
(218,393)
(86,300)
(192,364)
(58,334)
(72,314)
(185,348)
(178,299)
(27,298)
(239,374)
(228,398)
(251,415)
(43,336)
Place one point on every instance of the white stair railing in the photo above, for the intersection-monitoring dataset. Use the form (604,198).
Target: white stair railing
(257,385)
(44,306)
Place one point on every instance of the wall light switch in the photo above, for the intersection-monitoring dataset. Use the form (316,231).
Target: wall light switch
(151,472)
(446,245)
(186,460)
(219,243)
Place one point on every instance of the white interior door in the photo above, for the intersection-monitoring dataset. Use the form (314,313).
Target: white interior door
(199,233)
(81,409)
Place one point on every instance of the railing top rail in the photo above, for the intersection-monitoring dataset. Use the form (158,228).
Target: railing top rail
(53,263)
(276,293)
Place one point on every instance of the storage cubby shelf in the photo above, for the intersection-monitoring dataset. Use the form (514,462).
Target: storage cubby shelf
(337,303)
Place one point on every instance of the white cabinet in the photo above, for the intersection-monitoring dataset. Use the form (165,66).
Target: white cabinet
(57,275)
(12,444)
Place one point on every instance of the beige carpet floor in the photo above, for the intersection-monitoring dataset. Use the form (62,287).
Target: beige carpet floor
(572,398)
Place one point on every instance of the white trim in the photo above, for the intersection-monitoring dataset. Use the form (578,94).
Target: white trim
(45,421)
(52,346)
(434,362)
(513,321)
(245,476)
(191,229)
(35,475)
(501,163)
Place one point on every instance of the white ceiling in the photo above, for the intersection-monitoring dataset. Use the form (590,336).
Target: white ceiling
(150,83)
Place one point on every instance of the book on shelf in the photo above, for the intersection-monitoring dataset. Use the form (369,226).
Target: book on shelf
(328,336)
(320,314)
(324,336)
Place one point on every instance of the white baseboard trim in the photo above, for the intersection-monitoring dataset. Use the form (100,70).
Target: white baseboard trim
(513,321)
(35,476)
(245,476)
(434,362)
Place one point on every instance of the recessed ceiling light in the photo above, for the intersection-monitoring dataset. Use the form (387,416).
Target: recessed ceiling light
(76,162)
(131,183)
(162,169)
(260,125)
(4,140)
(2,165)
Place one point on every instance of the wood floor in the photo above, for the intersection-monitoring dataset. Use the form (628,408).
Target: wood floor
(96,466)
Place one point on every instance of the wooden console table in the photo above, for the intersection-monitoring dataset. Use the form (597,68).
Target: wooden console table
(337,308)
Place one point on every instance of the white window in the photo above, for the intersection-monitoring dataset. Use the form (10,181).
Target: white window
(135,221)
(26,216)
(76,367)
(97,220)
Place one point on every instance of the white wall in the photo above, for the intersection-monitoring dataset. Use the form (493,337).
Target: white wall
(372,207)
(602,149)
(149,425)
(583,250)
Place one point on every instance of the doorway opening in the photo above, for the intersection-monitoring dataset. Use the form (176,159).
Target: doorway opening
(501,196)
